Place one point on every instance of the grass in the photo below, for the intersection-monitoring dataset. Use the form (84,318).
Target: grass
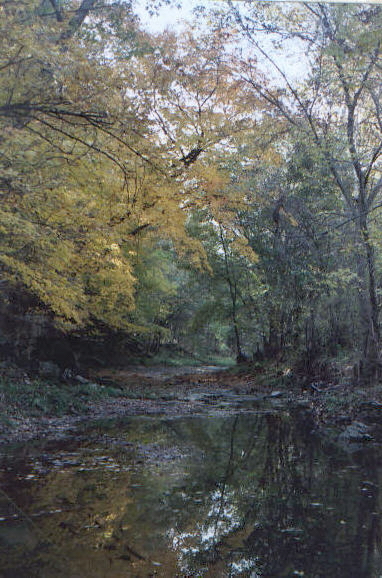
(26,397)
(178,359)
(21,396)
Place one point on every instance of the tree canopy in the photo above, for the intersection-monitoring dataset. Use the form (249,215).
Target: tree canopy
(191,187)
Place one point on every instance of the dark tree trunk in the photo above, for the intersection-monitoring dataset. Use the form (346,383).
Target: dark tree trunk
(371,362)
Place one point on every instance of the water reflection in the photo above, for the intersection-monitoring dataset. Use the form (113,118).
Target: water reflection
(248,495)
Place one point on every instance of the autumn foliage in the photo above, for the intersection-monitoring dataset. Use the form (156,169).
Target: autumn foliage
(187,187)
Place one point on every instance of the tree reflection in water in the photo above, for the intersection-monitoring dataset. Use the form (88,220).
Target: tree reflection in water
(282,505)
(248,495)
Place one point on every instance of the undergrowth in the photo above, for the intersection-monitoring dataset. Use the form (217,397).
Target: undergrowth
(181,359)
(37,397)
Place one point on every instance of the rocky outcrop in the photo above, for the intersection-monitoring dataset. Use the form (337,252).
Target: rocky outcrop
(29,338)
(356,432)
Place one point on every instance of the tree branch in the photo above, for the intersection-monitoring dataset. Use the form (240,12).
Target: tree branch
(76,21)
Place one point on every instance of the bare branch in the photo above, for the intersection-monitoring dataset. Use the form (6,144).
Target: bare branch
(77,19)
(57,11)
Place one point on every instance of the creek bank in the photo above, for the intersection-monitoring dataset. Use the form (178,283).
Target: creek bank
(344,413)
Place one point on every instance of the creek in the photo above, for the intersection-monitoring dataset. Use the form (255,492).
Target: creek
(251,494)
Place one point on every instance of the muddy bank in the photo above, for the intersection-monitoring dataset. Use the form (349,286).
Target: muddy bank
(348,413)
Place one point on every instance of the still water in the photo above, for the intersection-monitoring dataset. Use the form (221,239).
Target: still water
(248,495)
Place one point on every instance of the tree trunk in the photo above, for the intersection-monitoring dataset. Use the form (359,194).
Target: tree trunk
(232,284)
(371,362)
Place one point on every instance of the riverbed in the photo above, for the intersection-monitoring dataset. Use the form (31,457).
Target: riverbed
(237,489)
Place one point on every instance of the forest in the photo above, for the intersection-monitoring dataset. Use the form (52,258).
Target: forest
(213,189)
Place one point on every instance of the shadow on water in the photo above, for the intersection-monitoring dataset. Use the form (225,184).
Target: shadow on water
(247,495)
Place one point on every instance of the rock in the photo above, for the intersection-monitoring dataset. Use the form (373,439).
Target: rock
(343,419)
(355,432)
(49,369)
(81,379)
(318,386)
(371,412)
(67,374)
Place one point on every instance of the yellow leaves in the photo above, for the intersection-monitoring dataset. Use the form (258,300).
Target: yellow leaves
(272,157)
(289,217)
(242,247)
(62,296)
(111,293)
(211,179)
(192,252)
(59,245)
(96,197)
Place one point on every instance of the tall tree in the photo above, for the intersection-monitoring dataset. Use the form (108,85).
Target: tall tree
(337,108)
(102,126)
